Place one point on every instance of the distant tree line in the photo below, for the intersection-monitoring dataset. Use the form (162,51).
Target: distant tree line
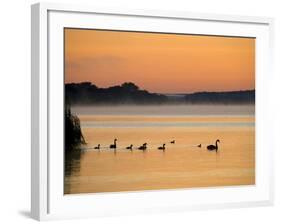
(234,97)
(86,93)
(127,93)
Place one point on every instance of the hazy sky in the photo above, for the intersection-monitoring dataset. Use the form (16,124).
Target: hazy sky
(163,63)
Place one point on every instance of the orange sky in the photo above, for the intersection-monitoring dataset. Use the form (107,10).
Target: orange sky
(162,63)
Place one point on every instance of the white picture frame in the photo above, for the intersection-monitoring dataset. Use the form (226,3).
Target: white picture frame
(48,201)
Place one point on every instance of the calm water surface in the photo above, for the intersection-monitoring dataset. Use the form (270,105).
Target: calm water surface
(182,165)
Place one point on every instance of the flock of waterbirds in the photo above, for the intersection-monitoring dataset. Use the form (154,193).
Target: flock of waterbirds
(162,147)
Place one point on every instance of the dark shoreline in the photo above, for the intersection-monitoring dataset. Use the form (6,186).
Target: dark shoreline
(128,93)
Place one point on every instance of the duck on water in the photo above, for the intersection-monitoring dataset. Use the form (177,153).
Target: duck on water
(97,147)
(162,147)
(143,147)
(130,147)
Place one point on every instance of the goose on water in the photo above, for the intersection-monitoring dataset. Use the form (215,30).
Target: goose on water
(162,147)
(213,147)
(113,146)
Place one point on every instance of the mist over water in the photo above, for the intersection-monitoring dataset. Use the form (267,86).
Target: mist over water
(167,110)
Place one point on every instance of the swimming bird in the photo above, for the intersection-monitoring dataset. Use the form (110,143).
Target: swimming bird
(162,147)
(199,146)
(213,147)
(113,146)
(143,146)
(97,147)
(173,142)
(130,147)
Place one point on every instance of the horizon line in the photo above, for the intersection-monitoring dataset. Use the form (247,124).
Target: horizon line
(165,93)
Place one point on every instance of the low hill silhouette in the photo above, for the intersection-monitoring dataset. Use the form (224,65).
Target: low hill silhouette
(233,97)
(127,93)
(86,93)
